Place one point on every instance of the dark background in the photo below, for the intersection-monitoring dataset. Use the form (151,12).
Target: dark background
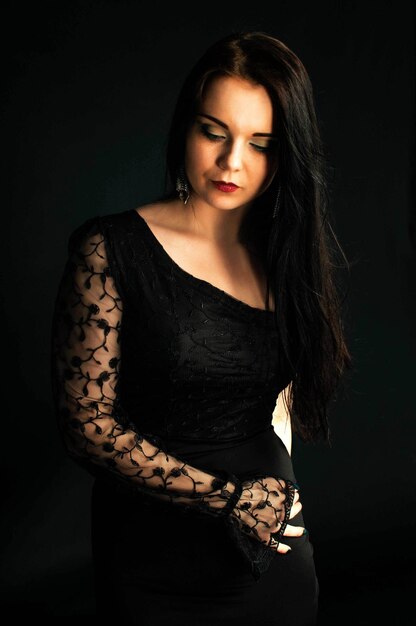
(88,89)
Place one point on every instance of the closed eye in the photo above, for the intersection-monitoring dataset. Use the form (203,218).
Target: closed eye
(261,148)
(207,133)
(205,130)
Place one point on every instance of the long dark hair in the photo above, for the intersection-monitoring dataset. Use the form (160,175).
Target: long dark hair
(295,244)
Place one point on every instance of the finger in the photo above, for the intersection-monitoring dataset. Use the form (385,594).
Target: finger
(294,531)
(296,508)
(283,548)
(280,547)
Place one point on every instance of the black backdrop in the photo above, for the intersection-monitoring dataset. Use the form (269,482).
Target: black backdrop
(88,88)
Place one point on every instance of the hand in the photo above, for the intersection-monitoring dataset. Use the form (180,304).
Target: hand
(265,507)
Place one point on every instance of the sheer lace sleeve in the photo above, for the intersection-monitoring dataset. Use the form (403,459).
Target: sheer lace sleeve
(85,366)
(85,371)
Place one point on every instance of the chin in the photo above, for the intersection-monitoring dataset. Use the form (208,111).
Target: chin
(227,206)
(224,202)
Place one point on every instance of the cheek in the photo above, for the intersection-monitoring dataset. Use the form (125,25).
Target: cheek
(263,171)
(199,156)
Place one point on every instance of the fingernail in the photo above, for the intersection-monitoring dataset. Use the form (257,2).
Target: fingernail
(296,486)
(305,532)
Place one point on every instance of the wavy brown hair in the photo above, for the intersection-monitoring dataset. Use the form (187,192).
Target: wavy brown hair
(296,244)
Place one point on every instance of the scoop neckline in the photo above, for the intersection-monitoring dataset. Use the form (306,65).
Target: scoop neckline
(199,282)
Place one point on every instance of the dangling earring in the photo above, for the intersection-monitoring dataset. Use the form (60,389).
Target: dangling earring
(182,186)
(277,203)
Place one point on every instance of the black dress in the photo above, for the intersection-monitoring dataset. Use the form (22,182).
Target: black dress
(163,380)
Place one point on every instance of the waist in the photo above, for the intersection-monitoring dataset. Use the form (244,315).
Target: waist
(207,415)
(259,452)
(220,441)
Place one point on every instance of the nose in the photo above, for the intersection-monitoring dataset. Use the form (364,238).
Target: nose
(231,157)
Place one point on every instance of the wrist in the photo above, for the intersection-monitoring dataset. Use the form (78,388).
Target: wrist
(232,489)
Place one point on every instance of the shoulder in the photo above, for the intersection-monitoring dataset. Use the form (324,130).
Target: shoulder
(122,232)
(162,213)
(99,224)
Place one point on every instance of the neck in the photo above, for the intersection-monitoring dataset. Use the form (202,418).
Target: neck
(219,226)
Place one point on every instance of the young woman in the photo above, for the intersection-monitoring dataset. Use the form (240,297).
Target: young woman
(177,326)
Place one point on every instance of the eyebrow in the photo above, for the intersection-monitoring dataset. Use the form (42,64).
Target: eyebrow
(220,123)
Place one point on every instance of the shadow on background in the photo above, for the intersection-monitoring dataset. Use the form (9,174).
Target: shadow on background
(361,585)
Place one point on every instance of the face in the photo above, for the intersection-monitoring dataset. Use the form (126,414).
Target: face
(231,141)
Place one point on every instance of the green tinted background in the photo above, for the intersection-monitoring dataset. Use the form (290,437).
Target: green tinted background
(88,90)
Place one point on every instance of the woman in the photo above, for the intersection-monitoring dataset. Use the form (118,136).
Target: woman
(177,326)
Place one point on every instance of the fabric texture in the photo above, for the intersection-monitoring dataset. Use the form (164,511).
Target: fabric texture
(164,387)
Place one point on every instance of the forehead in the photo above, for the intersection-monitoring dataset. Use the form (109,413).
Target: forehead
(238,103)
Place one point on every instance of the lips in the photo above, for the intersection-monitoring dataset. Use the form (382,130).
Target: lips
(224,186)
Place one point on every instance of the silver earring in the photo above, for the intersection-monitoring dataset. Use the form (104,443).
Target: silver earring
(182,186)
(276,204)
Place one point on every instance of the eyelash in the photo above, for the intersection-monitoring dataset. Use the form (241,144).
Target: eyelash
(213,137)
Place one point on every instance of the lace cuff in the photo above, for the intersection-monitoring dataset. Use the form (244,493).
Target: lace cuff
(258,554)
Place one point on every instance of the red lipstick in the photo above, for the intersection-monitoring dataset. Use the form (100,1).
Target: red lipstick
(223,186)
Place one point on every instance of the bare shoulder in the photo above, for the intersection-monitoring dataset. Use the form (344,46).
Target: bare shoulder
(160,214)
(149,210)
(166,222)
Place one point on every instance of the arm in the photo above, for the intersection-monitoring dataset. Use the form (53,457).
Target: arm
(99,436)
(85,372)
(281,419)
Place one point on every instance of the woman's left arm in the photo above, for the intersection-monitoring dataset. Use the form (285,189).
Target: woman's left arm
(281,420)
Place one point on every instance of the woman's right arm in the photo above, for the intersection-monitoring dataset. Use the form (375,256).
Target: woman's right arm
(85,371)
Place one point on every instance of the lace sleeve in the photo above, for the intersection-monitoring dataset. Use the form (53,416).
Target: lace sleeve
(85,370)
